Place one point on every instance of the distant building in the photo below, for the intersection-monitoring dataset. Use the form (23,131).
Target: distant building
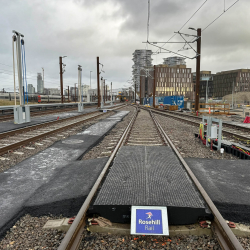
(31,89)
(147,83)
(204,76)
(40,88)
(206,81)
(174,61)
(142,60)
(233,80)
(173,80)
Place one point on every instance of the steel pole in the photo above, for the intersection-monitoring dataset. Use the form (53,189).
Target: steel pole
(68,93)
(154,87)
(198,64)
(104,91)
(111,95)
(141,90)
(61,78)
(75,92)
(206,92)
(90,80)
(79,86)
(98,83)
(233,96)
(43,80)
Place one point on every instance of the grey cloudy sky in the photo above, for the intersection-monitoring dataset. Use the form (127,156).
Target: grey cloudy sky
(112,30)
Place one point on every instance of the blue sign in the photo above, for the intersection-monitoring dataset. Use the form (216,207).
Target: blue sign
(149,220)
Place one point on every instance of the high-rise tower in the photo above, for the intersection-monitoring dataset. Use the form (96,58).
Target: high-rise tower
(39,83)
(142,60)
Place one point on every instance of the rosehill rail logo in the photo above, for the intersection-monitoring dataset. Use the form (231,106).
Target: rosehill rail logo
(149,215)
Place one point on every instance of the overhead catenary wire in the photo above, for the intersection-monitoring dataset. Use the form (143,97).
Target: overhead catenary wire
(225,10)
(220,14)
(183,25)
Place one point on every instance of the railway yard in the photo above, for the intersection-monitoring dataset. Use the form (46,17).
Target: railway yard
(66,164)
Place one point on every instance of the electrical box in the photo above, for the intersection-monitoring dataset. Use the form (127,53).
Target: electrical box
(213,132)
(80,107)
(21,114)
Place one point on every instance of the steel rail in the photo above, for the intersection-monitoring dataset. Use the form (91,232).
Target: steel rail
(36,126)
(37,113)
(33,127)
(226,237)
(197,123)
(73,237)
(16,145)
(234,126)
(130,128)
(42,112)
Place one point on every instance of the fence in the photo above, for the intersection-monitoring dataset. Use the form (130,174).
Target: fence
(213,108)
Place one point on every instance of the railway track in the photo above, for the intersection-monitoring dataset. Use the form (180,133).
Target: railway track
(38,113)
(144,132)
(150,135)
(14,139)
(228,129)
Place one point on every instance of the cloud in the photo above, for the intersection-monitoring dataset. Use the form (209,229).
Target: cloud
(112,30)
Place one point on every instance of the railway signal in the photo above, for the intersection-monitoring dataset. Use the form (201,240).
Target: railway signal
(21,112)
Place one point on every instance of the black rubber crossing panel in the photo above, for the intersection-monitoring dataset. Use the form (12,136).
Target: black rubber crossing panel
(227,183)
(148,176)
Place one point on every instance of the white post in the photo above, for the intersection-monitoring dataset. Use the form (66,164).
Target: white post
(21,113)
(19,67)
(79,84)
(206,93)
(233,95)
(80,105)
(111,96)
(90,80)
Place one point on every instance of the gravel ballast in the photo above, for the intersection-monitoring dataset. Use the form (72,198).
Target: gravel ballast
(28,233)
(182,136)
(105,241)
